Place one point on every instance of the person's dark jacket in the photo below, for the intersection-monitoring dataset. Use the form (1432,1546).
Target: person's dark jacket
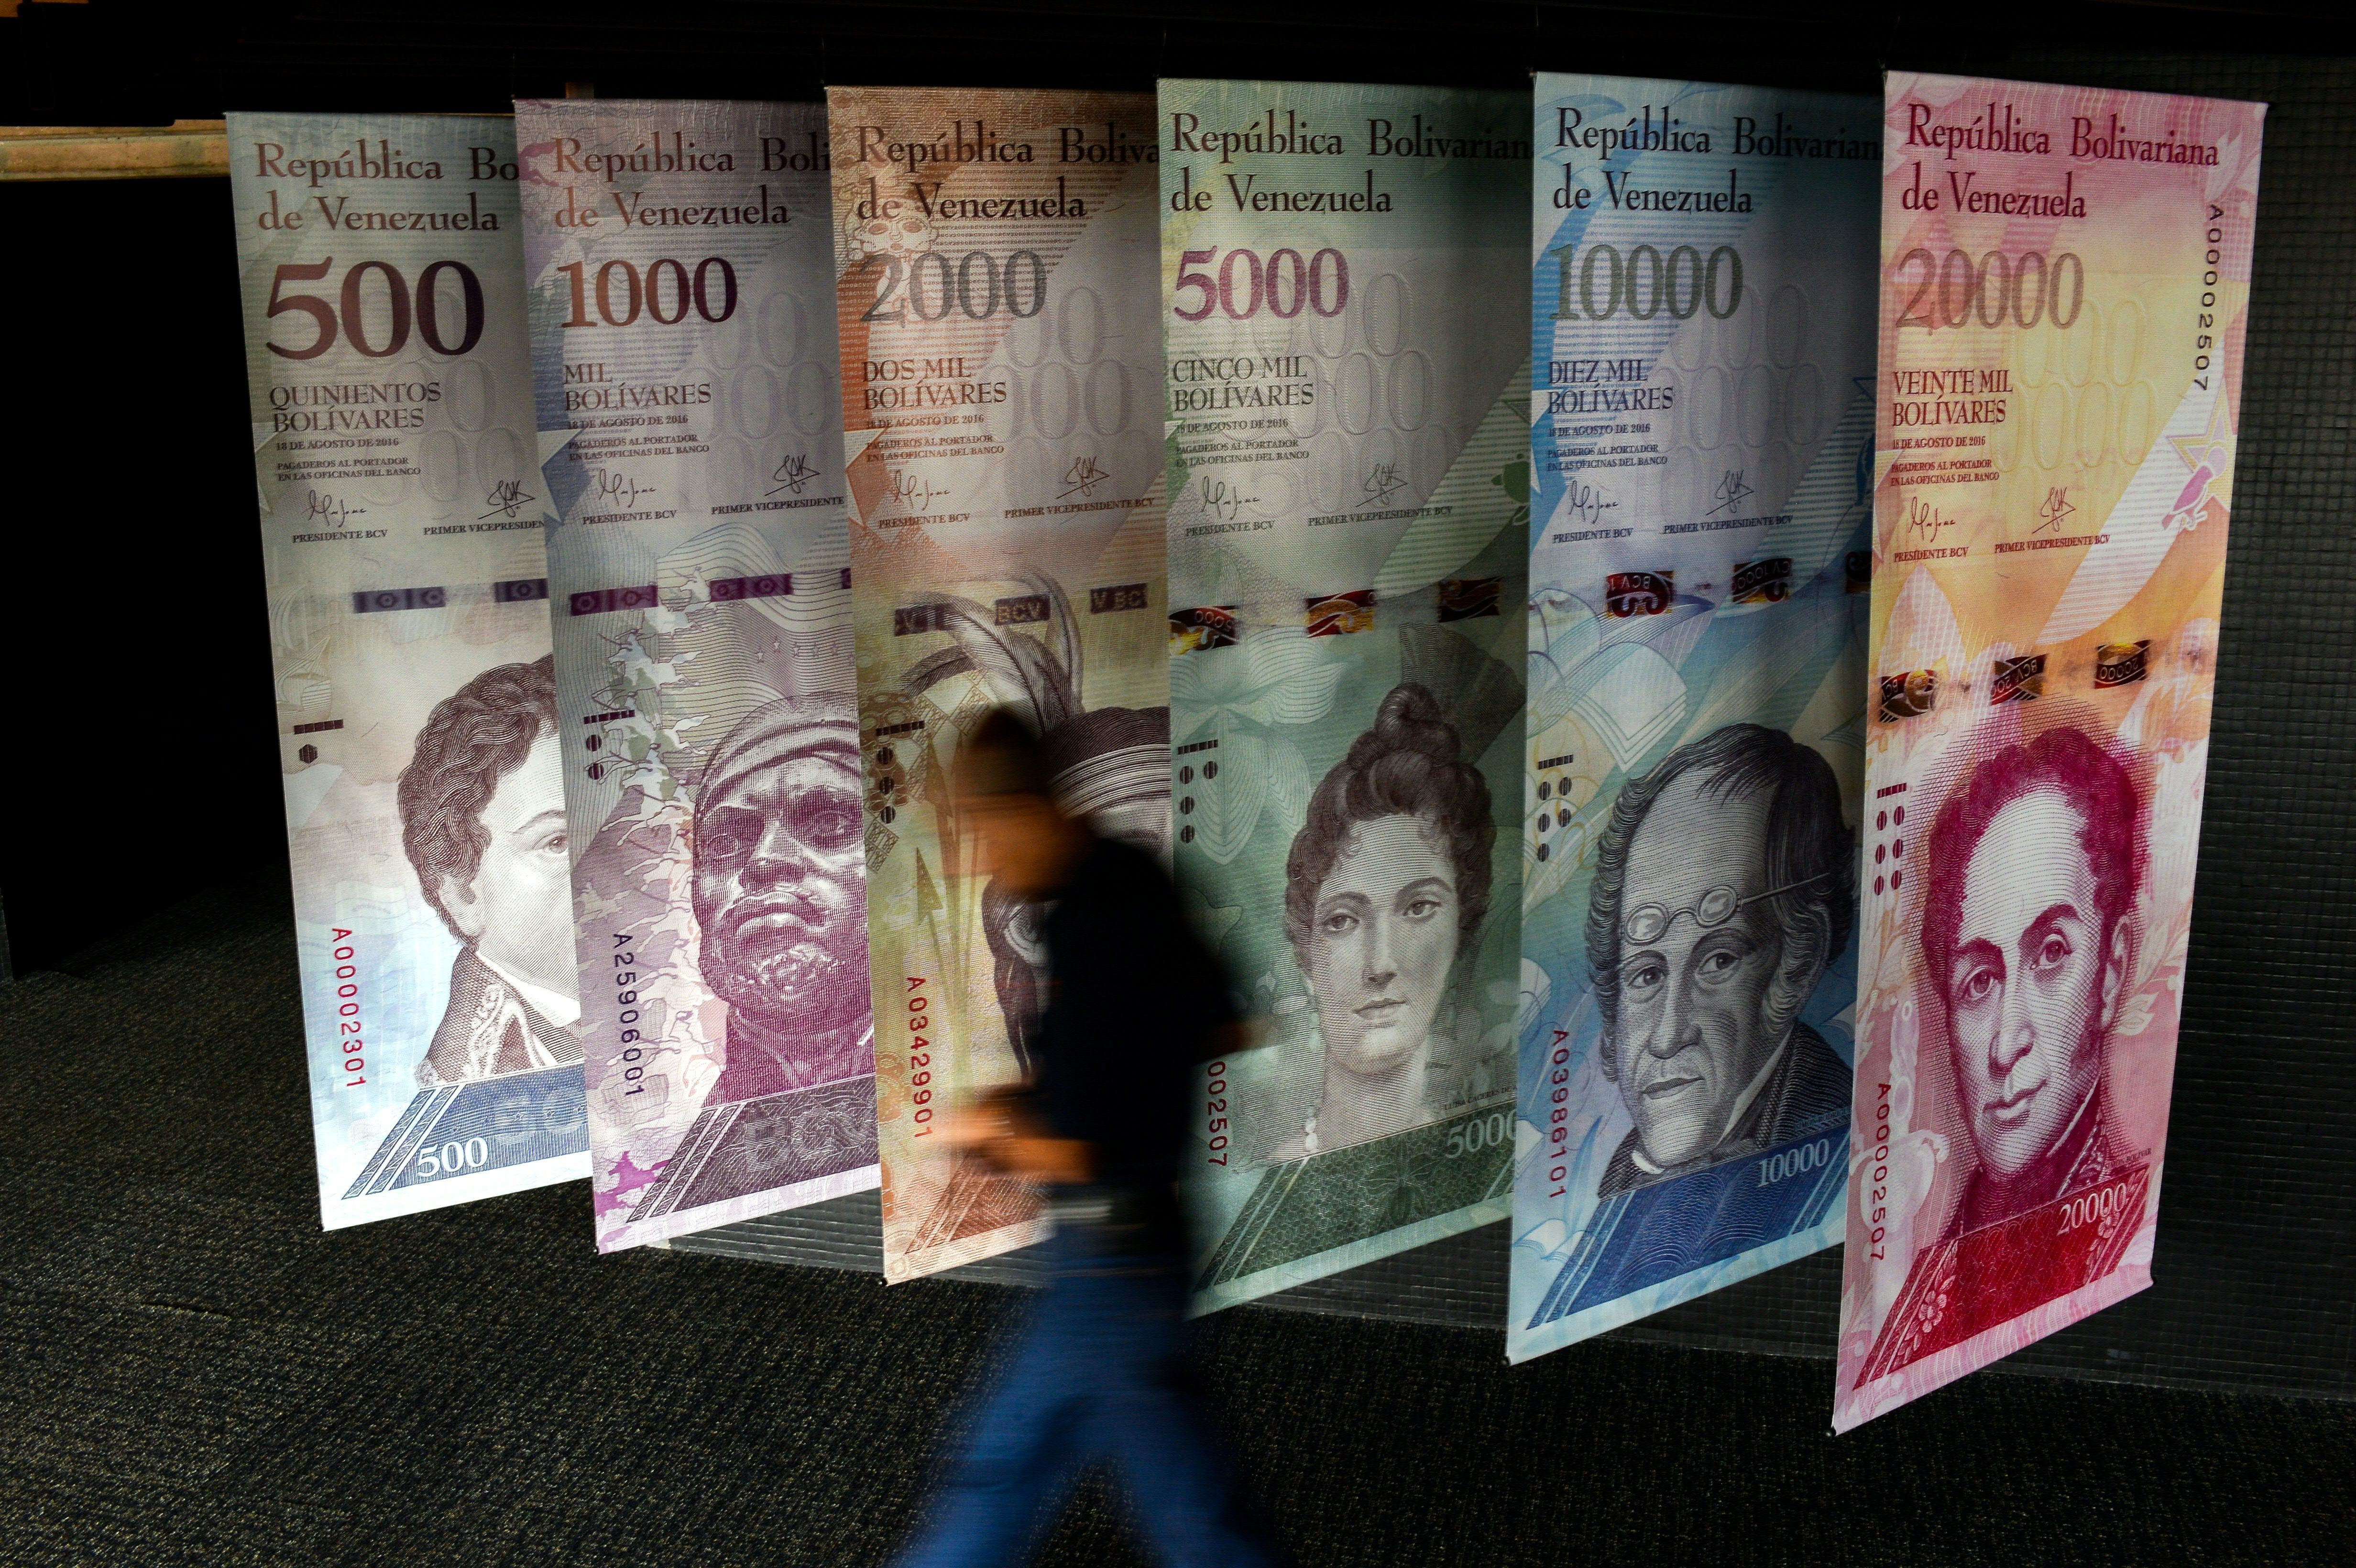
(1134,1003)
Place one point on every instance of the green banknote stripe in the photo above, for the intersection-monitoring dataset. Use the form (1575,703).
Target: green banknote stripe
(1315,1204)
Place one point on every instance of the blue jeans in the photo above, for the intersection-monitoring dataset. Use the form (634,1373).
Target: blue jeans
(1099,1374)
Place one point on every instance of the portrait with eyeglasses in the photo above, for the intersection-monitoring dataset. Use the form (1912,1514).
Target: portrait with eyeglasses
(1723,891)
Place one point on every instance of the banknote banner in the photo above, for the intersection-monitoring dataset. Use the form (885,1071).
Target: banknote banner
(994,265)
(390,390)
(1701,276)
(1346,418)
(683,346)
(2064,298)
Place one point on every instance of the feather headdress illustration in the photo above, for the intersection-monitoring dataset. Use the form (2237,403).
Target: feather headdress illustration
(1109,767)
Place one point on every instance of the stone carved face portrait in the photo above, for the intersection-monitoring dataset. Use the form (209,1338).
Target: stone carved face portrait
(2033,871)
(1385,886)
(482,813)
(1720,896)
(780,884)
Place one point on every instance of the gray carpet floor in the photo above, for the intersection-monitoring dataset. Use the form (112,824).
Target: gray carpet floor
(191,1373)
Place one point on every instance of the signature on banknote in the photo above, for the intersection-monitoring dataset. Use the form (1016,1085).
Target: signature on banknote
(1584,503)
(618,489)
(1731,491)
(794,474)
(319,504)
(913,490)
(506,498)
(1225,501)
(1083,478)
(1383,483)
(2055,508)
(1924,522)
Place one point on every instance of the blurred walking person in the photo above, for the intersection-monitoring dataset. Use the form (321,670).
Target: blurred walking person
(1134,1002)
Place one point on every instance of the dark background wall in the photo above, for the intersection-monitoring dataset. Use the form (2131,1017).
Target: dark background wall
(146,766)
(149,767)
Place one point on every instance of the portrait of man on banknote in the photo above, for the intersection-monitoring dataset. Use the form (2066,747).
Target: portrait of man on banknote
(2027,942)
(1722,892)
(482,820)
(780,899)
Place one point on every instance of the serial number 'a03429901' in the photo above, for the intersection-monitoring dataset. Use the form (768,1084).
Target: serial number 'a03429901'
(920,1060)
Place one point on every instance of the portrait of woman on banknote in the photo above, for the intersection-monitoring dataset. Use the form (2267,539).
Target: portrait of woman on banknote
(1386,884)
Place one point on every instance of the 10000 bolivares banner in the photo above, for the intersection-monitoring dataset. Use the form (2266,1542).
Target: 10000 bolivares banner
(1695,729)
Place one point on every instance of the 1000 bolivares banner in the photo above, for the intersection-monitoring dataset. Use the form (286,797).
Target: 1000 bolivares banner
(690,435)
(381,274)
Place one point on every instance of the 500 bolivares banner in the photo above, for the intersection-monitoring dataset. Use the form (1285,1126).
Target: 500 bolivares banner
(390,387)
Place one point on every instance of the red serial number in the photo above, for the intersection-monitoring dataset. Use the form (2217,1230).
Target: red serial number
(920,1060)
(348,1010)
